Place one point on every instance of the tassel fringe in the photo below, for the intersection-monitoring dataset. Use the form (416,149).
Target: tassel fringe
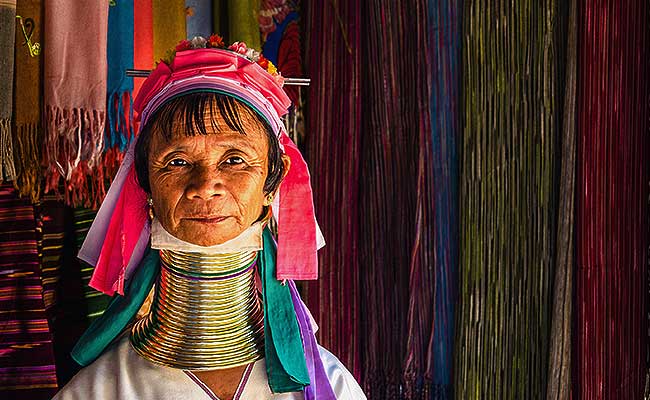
(27,157)
(7,168)
(73,151)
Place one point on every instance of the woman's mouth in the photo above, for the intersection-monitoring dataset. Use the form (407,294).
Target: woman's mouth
(208,219)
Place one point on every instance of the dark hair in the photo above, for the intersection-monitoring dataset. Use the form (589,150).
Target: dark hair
(191,109)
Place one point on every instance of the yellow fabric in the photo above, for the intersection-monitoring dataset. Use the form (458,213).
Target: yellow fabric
(168,25)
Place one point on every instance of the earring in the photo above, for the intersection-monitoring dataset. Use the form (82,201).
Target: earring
(150,203)
(269,199)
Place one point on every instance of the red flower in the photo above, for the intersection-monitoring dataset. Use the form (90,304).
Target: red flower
(263,62)
(216,41)
(183,45)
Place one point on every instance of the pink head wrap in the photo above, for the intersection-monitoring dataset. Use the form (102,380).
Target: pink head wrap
(119,235)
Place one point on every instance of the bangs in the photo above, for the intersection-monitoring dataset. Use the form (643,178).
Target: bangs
(192,114)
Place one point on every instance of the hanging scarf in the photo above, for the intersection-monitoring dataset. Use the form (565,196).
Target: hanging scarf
(27,138)
(142,41)
(199,18)
(75,94)
(120,87)
(168,25)
(7,36)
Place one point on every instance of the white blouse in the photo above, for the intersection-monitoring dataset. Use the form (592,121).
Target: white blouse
(121,374)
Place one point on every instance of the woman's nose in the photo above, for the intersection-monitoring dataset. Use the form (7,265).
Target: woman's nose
(205,183)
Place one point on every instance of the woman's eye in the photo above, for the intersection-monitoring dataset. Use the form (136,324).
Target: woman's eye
(234,160)
(178,162)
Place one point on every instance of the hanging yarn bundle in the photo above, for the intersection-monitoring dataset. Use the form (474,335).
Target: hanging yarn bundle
(395,191)
(507,206)
(334,109)
(612,185)
(444,33)
(560,351)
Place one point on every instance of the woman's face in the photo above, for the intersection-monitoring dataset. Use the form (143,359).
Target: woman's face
(207,189)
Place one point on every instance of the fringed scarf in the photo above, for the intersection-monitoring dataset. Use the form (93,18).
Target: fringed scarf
(333,156)
(119,130)
(507,199)
(168,25)
(7,37)
(75,96)
(27,132)
(199,18)
(559,365)
(612,203)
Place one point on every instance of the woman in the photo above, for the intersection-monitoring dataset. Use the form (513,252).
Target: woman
(188,210)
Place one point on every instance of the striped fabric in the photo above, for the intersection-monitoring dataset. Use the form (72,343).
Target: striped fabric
(95,301)
(27,368)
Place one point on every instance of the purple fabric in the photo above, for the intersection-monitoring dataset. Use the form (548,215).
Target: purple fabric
(319,387)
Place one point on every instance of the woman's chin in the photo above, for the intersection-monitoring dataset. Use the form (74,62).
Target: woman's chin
(208,234)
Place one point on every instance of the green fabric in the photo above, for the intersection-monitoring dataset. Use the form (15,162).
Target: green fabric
(119,313)
(285,358)
(243,24)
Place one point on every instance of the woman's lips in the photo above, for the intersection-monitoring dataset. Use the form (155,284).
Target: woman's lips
(208,220)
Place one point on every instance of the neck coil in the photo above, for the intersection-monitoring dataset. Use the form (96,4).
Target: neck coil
(206,313)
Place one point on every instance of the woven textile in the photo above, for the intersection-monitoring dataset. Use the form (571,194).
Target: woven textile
(142,41)
(7,37)
(612,204)
(75,96)
(507,199)
(27,130)
(26,353)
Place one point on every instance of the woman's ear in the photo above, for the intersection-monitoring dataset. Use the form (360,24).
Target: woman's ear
(286,161)
(287,166)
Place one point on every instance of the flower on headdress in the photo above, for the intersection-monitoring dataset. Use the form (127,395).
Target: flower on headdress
(183,45)
(198,42)
(238,47)
(216,41)
(263,62)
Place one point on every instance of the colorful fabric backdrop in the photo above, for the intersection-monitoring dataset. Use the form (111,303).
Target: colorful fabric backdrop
(480,174)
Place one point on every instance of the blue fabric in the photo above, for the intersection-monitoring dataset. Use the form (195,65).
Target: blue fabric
(271,47)
(120,58)
(445,32)
(200,22)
